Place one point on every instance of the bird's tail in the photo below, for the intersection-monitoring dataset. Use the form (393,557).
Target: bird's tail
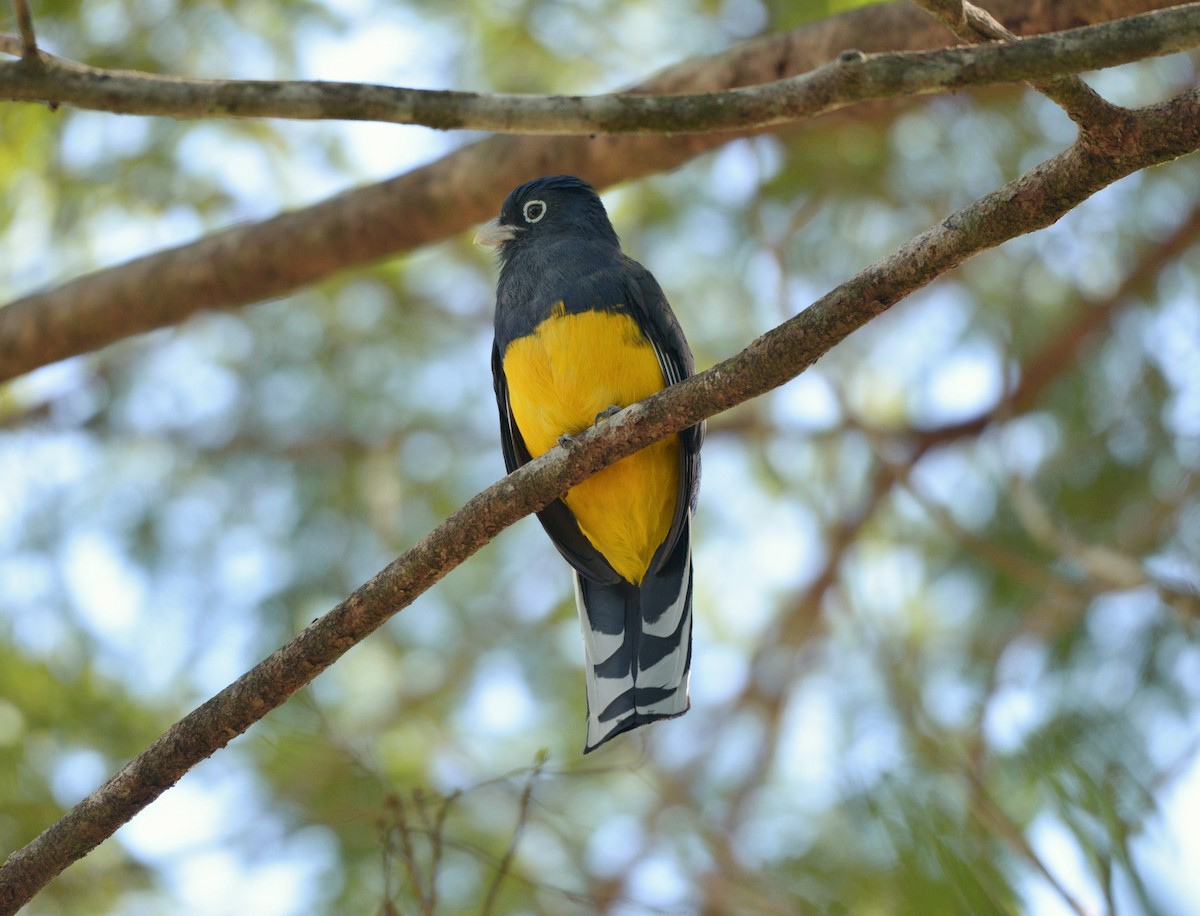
(638,643)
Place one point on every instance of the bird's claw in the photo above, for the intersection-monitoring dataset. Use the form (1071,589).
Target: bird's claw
(609,411)
(566,440)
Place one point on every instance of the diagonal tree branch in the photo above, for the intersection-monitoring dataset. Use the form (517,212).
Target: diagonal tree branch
(849,79)
(1062,350)
(1033,201)
(249,263)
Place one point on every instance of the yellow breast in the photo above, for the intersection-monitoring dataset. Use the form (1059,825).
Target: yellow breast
(571,368)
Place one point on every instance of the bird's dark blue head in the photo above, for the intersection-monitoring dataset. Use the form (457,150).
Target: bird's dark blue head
(555,208)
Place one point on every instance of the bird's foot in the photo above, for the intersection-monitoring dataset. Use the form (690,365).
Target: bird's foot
(609,411)
(566,440)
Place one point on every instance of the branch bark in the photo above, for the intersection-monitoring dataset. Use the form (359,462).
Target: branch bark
(249,263)
(849,79)
(969,22)
(1035,200)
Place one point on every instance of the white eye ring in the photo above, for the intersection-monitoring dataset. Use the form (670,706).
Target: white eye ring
(533,210)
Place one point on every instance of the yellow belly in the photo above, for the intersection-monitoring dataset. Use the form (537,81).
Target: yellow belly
(570,369)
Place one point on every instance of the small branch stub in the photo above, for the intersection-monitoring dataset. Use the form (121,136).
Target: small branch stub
(25,27)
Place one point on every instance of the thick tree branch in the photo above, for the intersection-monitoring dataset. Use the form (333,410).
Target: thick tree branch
(1035,200)
(849,79)
(249,263)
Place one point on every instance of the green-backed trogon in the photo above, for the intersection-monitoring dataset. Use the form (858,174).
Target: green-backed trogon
(582,330)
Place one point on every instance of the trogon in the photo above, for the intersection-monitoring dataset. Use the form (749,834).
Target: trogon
(582,330)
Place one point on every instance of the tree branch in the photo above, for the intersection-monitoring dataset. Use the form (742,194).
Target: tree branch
(851,78)
(27,43)
(1033,201)
(1062,350)
(252,262)
(522,819)
(1080,101)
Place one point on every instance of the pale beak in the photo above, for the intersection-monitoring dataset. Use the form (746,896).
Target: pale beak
(493,234)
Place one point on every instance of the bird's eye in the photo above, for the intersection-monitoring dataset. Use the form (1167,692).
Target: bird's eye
(534,210)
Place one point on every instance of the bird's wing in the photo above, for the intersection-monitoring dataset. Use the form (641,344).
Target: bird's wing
(556,518)
(511,443)
(647,302)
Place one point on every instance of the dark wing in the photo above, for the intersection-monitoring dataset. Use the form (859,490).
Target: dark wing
(648,304)
(511,443)
(556,518)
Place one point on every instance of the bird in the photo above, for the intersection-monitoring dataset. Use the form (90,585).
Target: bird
(581,331)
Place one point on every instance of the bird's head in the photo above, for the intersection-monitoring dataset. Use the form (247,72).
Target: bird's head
(556,207)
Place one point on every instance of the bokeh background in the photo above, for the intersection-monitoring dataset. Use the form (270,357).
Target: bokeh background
(945,648)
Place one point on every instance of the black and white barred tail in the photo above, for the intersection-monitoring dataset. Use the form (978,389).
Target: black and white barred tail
(638,645)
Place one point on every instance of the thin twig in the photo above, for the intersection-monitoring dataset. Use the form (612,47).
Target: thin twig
(798,624)
(1080,101)
(436,841)
(1083,104)
(386,850)
(1028,572)
(983,804)
(408,853)
(991,812)
(25,27)
(1105,567)
(522,819)
(1063,350)
(540,884)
